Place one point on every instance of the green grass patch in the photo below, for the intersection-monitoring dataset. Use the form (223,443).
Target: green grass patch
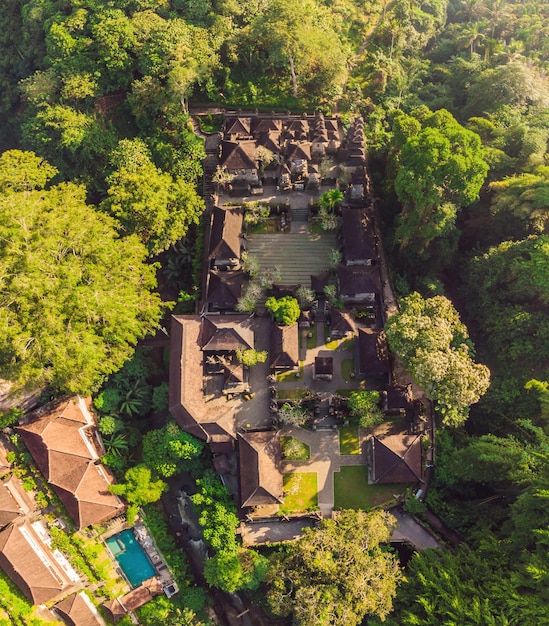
(266,227)
(292,394)
(348,439)
(300,492)
(311,341)
(352,490)
(347,344)
(315,227)
(290,376)
(294,449)
(332,345)
(210,123)
(347,368)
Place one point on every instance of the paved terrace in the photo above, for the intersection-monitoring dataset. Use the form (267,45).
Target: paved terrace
(297,254)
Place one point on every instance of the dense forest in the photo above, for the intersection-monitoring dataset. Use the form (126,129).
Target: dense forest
(100,220)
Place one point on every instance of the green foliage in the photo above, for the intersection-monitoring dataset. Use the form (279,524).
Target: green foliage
(251,357)
(108,400)
(160,399)
(336,574)
(364,406)
(23,171)
(147,201)
(285,310)
(74,305)
(290,415)
(232,571)
(217,512)
(166,449)
(434,347)
(525,197)
(139,488)
(108,425)
(439,169)
(10,417)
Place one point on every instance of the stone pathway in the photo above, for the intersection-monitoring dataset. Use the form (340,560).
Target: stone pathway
(324,460)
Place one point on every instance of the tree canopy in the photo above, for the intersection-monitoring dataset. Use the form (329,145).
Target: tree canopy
(336,574)
(285,310)
(74,297)
(433,345)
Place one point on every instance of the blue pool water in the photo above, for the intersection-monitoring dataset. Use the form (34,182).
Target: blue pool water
(130,556)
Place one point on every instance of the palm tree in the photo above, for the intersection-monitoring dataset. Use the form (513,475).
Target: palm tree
(329,200)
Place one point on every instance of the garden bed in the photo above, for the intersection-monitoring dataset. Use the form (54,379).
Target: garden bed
(294,449)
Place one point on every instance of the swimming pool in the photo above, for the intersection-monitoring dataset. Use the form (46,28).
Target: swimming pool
(131,558)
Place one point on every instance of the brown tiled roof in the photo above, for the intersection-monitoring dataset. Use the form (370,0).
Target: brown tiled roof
(9,509)
(354,280)
(399,397)
(115,609)
(358,235)
(61,439)
(396,459)
(77,610)
(238,126)
(271,141)
(212,420)
(324,365)
(137,597)
(240,155)
(267,125)
(341,321)
(260,475)
(284,350)
(225,233)
(299,151)
(319,281)
(224,289)
(222,333)
(38,582)
(373,352)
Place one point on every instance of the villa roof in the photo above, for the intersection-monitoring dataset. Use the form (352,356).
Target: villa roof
(225,233)
(63,440)
(224,289)
(358,235)
(299,151)
(341,321)
(9,509)
(28,561)
(354,280)
(284,350)
(213,420)
(373,352)
(241,155)
(14,501)
(260,474)
(267,125)
(223,333)
(237,126)
(399,397)
(324,365)
(77,610)
(396,459)
(270,140)
(319,281)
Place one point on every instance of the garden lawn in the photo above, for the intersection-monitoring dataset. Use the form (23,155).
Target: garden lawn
(292,394)
(300,492)
(311,341)
(266,227)
(348,439)
(347,367)
(352,490)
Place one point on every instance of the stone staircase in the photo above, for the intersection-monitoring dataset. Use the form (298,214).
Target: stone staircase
(300,214)
(209,164)
(296,255)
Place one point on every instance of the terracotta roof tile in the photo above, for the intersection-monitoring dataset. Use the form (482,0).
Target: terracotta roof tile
(397,459)
(260,474)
